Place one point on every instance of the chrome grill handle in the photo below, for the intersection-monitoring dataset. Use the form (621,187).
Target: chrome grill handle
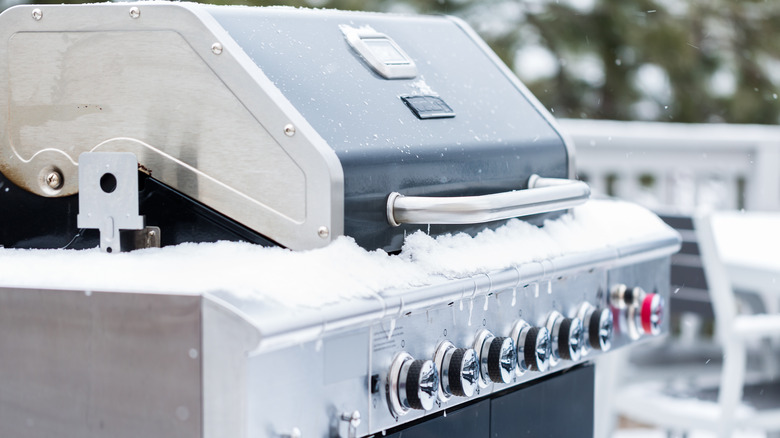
(542,196)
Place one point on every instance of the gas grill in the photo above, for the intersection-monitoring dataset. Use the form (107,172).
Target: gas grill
(130,126)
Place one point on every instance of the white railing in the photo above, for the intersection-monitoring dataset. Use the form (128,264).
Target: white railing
(674,167)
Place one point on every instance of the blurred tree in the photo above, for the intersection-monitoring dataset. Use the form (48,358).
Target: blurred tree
(666,60)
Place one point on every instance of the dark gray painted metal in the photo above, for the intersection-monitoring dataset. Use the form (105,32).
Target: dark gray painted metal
(473,421)
(493,144)
(561,406)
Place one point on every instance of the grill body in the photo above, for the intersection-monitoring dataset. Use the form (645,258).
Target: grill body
(292,128)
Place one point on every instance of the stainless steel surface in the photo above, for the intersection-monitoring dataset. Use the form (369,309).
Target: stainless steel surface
(52,86)
(89,363)
(237,344)
(109,195)
(543,195)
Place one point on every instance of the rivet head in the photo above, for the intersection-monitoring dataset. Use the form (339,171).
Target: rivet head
(37,14)
(216,48)
(323,232)
(289,130)
(54,179)
(135,12)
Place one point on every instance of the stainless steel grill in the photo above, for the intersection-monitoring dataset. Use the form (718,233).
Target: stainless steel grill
(293,127)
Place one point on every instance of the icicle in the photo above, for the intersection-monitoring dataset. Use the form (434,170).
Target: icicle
(471,310)
(392,329)
(514,297)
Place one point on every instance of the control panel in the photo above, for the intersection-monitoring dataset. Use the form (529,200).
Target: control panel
(430,361)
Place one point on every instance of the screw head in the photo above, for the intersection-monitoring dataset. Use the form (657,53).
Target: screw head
(37,14)
(135,12)
(289,130)
(216,48)
(323,232)
(54,179)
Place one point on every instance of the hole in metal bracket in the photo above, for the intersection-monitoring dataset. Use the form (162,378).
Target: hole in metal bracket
(108,182)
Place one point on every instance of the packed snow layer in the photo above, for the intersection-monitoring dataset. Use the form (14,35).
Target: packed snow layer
(340,271)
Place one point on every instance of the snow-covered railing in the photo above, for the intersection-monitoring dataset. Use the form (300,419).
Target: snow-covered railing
(673,167)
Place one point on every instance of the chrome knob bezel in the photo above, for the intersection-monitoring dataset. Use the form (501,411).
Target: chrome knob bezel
(393,383)
(445,348)
(425,374)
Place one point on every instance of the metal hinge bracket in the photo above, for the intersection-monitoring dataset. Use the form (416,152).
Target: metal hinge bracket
(108,195)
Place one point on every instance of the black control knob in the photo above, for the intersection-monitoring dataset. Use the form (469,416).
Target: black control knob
(420,383)
(501,359)
(599,327)
(497,358)
(566,335)
(459,370)
(533,347)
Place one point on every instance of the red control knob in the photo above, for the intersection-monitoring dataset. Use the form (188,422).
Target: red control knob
(651,313)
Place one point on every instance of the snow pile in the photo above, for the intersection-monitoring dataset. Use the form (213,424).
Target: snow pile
(343,270)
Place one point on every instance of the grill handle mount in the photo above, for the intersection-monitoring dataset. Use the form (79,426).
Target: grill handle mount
(542,196)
